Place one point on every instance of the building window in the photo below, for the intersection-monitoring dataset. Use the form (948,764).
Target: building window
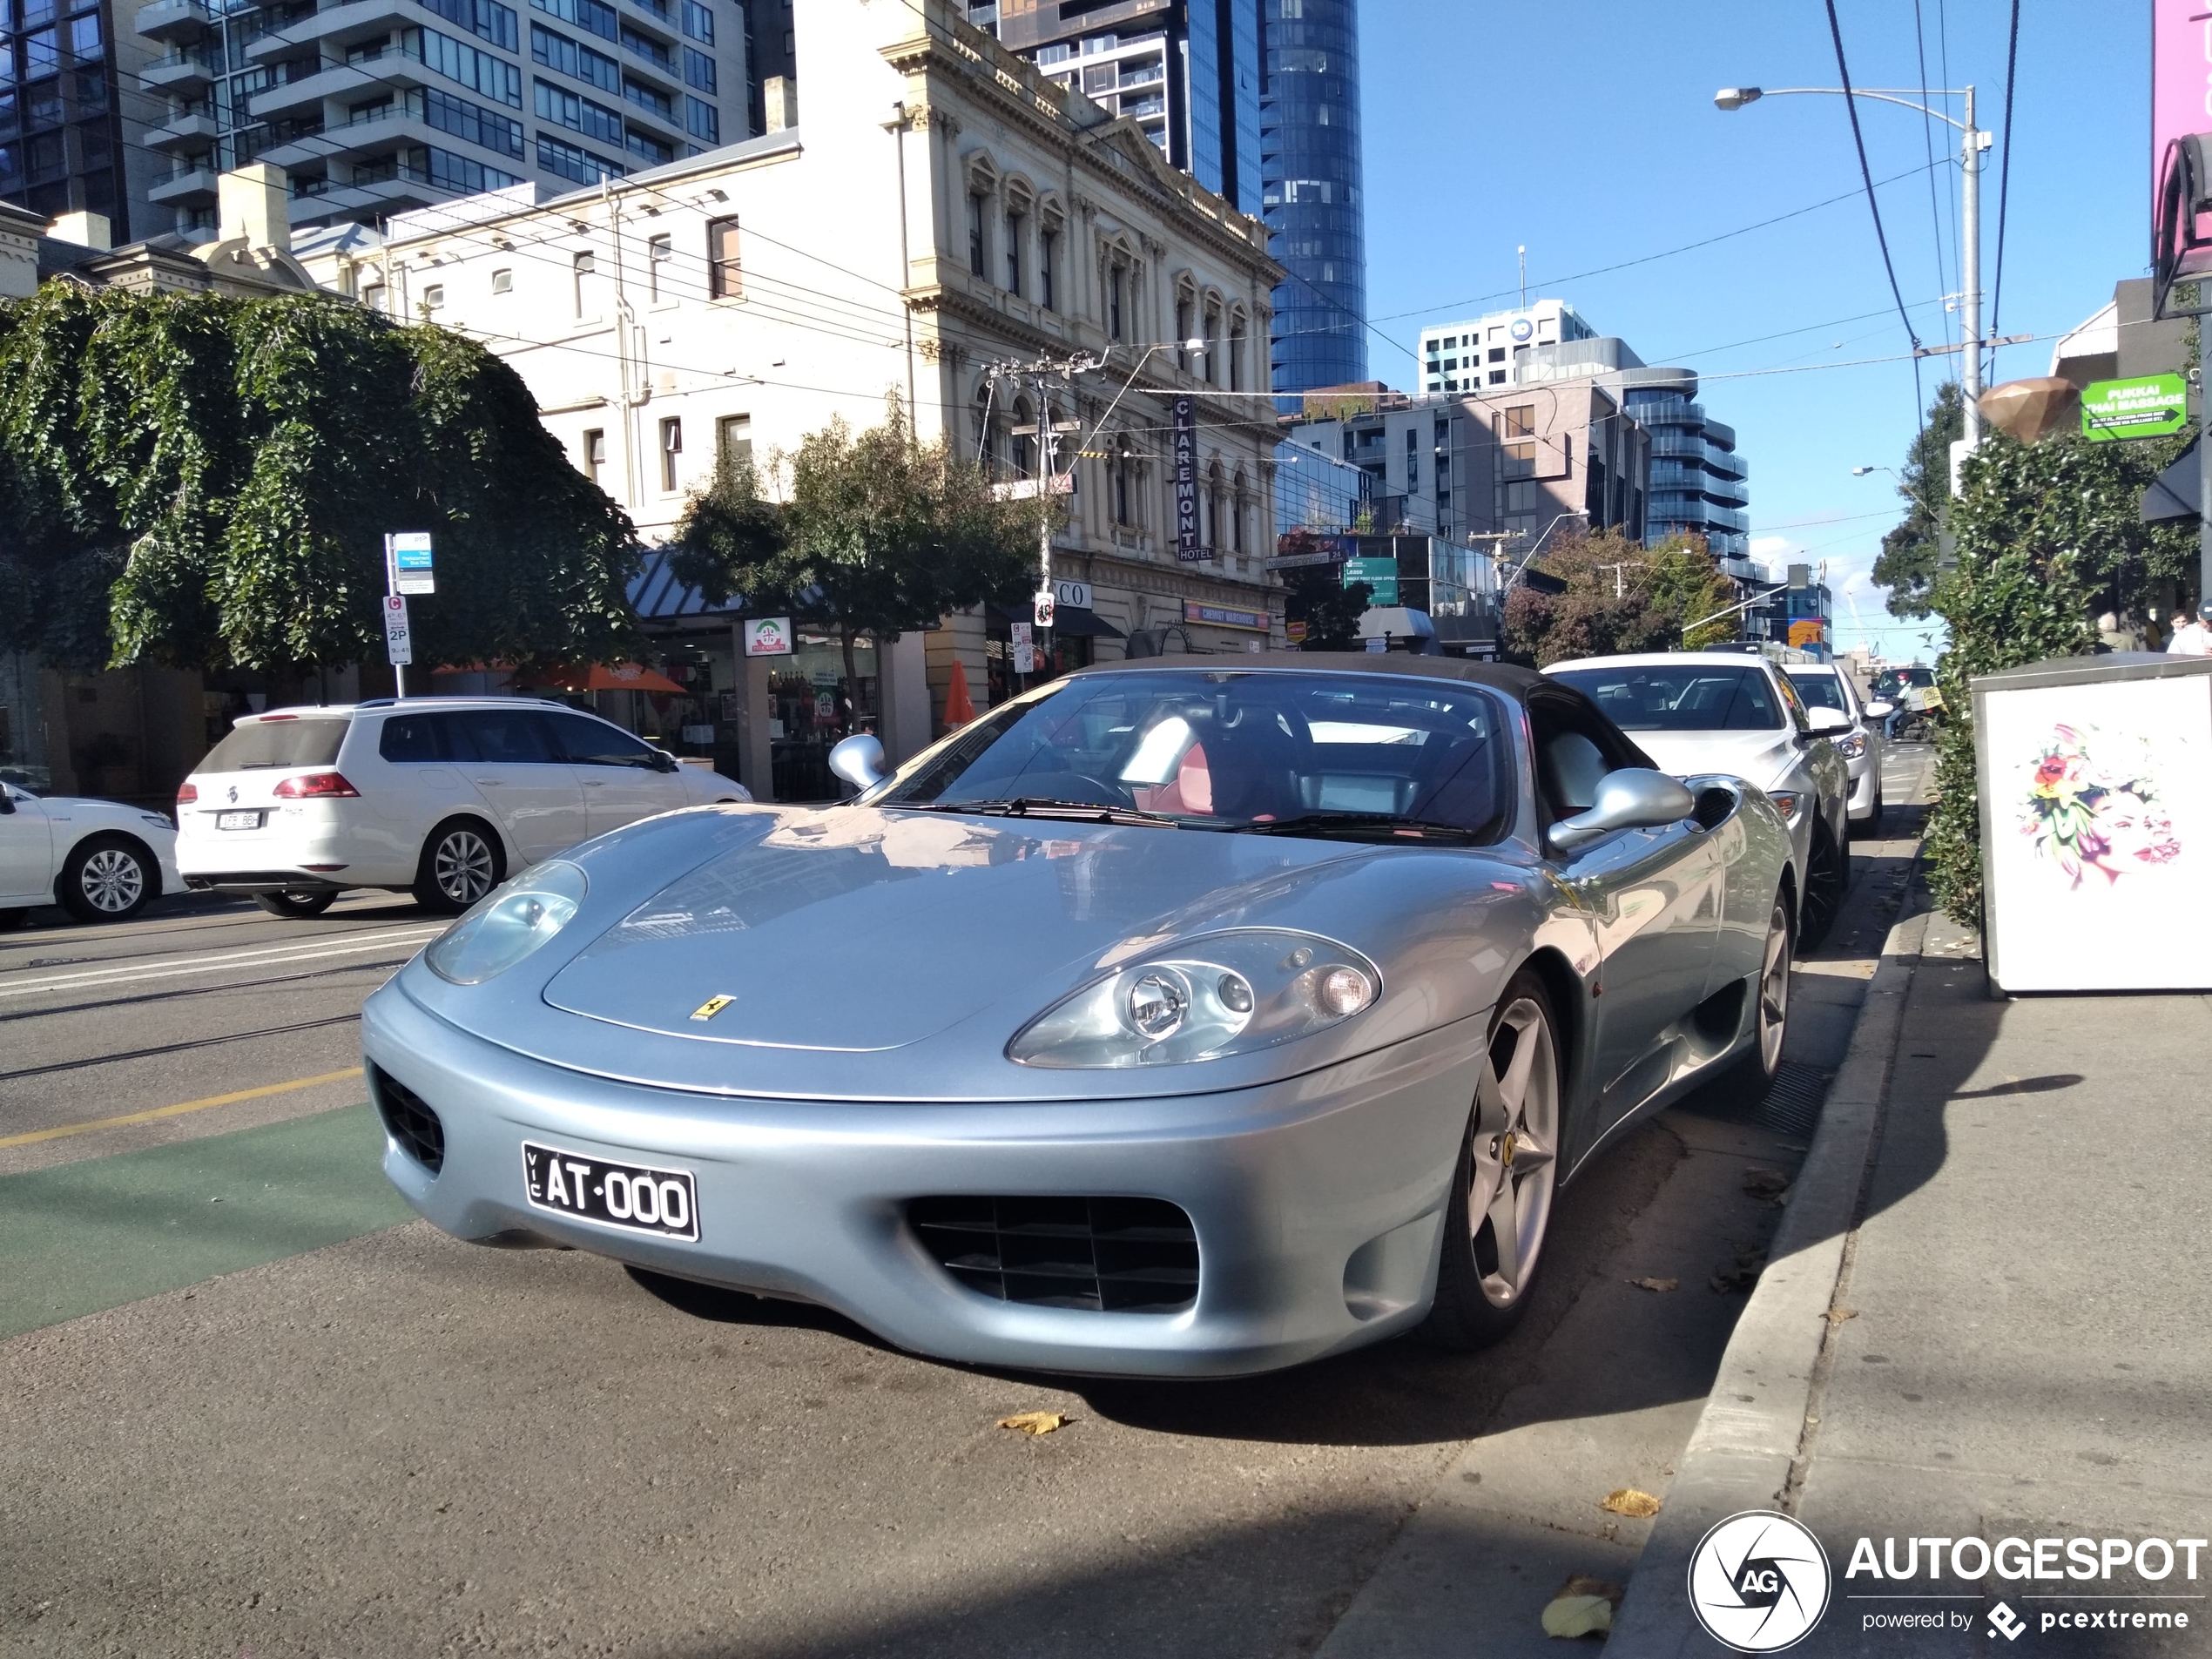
(1236,355)
(1047,244)
(1014,254)
(586,265)
(594,454)
(1124,479)
(1213,365)
(1182,305)
(659,250)
(1412,461)
(1497,377)
(733,441)
(975,237)
(725,274)
(502,281)
(434,298)
(672,446)
(1520,420)
(1114,284)
(373,296)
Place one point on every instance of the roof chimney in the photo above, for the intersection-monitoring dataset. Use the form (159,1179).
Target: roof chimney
(86,230)
(255,203)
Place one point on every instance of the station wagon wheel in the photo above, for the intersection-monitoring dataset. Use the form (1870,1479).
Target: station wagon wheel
(1509,1168)
(109,878)
(462,861)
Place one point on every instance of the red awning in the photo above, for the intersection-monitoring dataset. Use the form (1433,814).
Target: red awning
(609,676)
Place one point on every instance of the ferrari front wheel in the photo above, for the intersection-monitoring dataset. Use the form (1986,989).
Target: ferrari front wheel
(1509,1168)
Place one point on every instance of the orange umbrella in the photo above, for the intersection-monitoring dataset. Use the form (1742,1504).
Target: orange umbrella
(959,709)
(612,677)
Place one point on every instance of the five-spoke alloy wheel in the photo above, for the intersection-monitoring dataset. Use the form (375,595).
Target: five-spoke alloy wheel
(1502,1198)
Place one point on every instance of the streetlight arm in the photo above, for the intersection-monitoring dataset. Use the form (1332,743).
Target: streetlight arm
(1688,628)
(1860,92)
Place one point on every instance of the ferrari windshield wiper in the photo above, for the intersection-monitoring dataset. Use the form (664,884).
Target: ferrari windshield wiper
(1384,824)
(1040,806)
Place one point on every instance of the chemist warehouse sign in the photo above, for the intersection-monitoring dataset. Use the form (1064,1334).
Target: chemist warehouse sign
(1762,1582)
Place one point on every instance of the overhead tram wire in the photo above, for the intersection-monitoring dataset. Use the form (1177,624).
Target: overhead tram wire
(1866,174)
(1927,147)
(2005,172)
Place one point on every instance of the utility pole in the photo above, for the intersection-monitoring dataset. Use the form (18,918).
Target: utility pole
(1041,374)
(1971,142)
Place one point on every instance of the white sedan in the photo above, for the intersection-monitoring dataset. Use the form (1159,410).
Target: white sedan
(99,860)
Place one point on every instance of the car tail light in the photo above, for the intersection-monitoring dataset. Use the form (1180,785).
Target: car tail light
(311,784)
(187,793)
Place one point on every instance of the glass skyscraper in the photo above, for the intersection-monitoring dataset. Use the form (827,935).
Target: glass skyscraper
(1310,161)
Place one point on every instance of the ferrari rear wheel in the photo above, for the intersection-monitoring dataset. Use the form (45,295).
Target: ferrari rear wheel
(1501,1193)
(1825,875)
(1747,1079)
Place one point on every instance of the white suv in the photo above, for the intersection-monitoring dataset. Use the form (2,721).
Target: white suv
(441,796)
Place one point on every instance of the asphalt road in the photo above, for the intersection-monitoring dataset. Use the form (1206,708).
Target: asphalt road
(248,1407)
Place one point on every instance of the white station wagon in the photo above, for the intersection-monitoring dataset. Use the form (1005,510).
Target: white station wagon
(441,797)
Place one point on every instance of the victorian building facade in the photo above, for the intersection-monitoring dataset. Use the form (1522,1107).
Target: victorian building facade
(942,212)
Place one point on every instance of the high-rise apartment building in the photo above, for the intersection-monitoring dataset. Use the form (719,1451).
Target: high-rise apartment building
(373,108)
(73,113)
(1488,350)
(1310,162)
(1259,101)
(1186,71)
(1697,478)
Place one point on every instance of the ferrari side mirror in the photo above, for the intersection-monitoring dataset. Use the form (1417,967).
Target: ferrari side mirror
(1632,798)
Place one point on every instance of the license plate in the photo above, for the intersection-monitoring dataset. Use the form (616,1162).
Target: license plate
(238,820)
(663,1202)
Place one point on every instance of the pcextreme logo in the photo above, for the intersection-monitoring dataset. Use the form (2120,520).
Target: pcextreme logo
(1759,1582)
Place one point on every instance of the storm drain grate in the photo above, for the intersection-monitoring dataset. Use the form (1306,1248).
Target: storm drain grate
(1791,1105)
(410,1118)
(1105,1255)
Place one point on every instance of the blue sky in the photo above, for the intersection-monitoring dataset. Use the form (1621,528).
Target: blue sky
(1586,129)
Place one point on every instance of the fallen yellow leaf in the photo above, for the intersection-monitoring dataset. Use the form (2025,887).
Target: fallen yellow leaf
(1655,1284)
(1636,1504)
(1836,1316)
(1035,1422)
(1581,1607)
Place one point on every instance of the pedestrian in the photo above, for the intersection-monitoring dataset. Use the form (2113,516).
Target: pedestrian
(2194,637)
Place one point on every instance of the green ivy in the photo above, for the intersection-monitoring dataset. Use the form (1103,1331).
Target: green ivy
(206,481)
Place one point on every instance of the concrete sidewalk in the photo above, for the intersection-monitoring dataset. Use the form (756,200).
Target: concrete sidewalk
(1989,1316)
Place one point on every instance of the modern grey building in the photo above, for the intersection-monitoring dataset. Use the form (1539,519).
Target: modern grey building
(73,114)
(1186,71)
(374,106)
(1259,101)
(1697,478)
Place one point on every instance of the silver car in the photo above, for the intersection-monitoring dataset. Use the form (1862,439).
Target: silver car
(1735,712)
(1859,743)
(1191,1017)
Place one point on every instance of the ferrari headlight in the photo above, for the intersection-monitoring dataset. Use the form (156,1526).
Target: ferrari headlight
(1852,746)
(509,924)
(1200,999)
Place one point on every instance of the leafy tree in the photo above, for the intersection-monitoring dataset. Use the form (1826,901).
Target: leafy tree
(878,535)
(1620,595)
(1906,564)
(1317,596)
(205,481)
(2048,536)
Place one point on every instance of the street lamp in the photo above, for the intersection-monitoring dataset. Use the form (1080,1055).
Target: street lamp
(1972,142)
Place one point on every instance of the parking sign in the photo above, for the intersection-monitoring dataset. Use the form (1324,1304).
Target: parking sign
(399,644)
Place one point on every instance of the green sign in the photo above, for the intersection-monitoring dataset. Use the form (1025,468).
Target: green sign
(1381,575)
(2149,406)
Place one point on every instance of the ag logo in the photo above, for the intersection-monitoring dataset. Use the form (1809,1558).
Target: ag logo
(1759,1582)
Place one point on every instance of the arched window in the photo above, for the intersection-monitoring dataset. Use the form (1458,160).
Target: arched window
(1238,340)
(1214,376)
(987,433)
(1024,447)
(1124,466)
(1185,300)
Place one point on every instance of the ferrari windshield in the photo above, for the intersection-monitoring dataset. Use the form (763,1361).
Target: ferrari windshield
(1680,696)
(1281,752)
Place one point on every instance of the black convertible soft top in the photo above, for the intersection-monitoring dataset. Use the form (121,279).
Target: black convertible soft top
(1516,683)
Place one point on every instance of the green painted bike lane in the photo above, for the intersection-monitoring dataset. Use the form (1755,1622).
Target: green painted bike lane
(82,1237)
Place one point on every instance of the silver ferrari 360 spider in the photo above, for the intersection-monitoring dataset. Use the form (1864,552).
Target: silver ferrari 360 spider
(1184,1017)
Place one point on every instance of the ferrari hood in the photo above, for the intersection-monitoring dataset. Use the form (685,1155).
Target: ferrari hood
(1759,758)
(860,930)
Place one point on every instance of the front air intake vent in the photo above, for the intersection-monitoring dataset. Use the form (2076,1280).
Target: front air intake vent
(409,1119)
(1105,1255)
